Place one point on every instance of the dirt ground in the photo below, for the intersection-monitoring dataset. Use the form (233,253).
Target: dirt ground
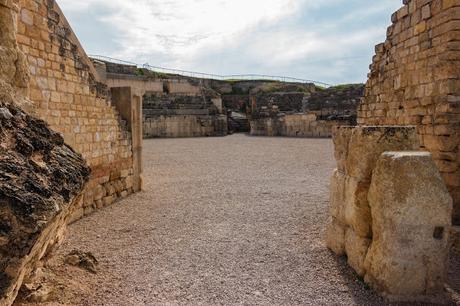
(237,221)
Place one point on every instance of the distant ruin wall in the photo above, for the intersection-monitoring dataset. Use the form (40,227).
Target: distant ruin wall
(175,126)
(298,125)
(66,93)
(415,80)
(335,102)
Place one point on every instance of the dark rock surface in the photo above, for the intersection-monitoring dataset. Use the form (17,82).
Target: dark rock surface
(39,178)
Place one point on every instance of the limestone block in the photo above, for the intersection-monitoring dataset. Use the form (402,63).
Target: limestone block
(357,213)
(411,217)
(341,136)
(348,203)
(335,236)
(367,143)
(337,195)
(356,248)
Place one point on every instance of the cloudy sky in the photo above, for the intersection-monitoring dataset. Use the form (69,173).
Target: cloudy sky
(328,40)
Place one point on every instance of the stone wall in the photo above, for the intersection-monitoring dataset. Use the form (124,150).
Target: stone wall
(174,126)
(183,115)
(415,80)
(337,102)
(390,212)
(297,125)
(66,93)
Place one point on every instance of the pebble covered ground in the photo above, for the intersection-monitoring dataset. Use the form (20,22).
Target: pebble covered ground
(237,221)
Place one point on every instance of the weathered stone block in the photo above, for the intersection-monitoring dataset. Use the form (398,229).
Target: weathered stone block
(337,196)
(348,203)
(335,236)
(341,136)
(356,248)
(367,143)
(411,217)
(357,212)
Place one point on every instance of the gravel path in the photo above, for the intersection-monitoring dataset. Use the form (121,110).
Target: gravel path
(235,220)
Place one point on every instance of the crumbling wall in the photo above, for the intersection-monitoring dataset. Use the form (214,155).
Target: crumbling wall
(174,126)
(66,93)
(296,125)
(41,178)
(415,80)
(390,212)
(183,115)
(337,102)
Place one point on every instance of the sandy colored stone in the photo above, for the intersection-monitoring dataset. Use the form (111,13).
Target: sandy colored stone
(414,79)
(367,143)
(411,214)
(341,136)
(356,248)
(357,213)
(348,203)
(337,195)
(335,236)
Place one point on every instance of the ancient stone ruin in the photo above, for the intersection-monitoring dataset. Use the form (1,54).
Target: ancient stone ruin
(391,210)
(178,106)
(67,149)
(172,106)
(311,113)
(415,80)
(67,92)
(71,131)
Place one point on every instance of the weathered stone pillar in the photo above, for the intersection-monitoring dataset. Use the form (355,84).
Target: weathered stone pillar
(403,220)
(411,218)
(129,104)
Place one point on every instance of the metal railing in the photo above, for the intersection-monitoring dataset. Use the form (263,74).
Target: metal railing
(202,75)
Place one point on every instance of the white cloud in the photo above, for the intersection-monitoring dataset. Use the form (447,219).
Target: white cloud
(239,36)
(180,27)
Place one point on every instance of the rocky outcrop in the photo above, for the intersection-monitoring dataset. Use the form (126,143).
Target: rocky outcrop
(40,182)
(390,212)
(41,178)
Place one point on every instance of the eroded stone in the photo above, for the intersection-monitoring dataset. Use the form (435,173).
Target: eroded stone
(367,143)
(356,248)
(335,236)
(411,215)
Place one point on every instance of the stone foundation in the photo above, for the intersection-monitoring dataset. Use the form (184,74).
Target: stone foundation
(298,125)
(390,212)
